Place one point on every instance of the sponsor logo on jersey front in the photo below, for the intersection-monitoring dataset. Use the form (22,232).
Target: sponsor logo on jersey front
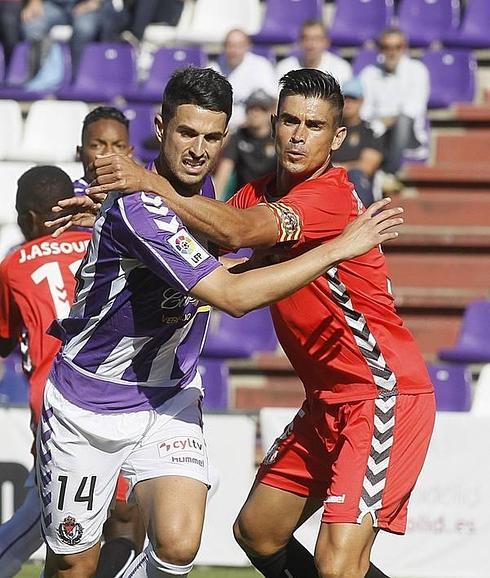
(188,248)
(70,531)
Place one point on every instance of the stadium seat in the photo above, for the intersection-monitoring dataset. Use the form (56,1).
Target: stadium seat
(51,132)
(213,19)
(452,385)
(481,398)
(356,21)
(9,175)
(425,21)
(474,31)
(214,374)
(106,71)
(452,76)
(161,34)
(14,388)
(11,123)
(17,74)
(141,127)
(231,337)
(165,62)
(2,64)
(284,18)
(365,57)
(473,344)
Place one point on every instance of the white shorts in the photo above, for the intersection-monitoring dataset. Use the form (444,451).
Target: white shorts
(81,453)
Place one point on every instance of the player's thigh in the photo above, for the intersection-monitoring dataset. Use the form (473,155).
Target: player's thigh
(169,472)
(75,476)
(173,509)
(269,517)
(344,549)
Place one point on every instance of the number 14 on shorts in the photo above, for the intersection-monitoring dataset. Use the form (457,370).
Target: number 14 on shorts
(82,494)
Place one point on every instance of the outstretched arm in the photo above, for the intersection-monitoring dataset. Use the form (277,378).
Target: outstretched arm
(227,226)
(237,294)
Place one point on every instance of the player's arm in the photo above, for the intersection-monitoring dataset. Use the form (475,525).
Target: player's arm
(225,225)
(237,294)
(10,317)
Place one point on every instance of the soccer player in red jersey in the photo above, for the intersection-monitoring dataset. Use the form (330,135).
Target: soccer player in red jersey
(36,285)
(358,443)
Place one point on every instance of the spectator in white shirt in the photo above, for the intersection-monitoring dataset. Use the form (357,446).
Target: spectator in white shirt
(246,72)
(314,45)
(396,93)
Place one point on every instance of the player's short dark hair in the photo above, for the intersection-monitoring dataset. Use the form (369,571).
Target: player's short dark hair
(203,87)
(104,113)
(312,83)
(310,23)
(40,188)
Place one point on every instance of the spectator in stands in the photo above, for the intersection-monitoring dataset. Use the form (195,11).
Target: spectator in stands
(361,152)
(245,71)
(9,25)
(39,16)
(250,152)
(314,45)
(396,94)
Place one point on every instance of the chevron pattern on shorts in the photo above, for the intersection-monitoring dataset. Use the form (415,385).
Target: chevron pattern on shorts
(384,419)
(44,458)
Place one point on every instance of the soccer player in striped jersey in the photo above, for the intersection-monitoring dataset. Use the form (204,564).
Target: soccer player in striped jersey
(124,392)
(358,443)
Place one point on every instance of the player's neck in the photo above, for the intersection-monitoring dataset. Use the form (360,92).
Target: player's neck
(285,181)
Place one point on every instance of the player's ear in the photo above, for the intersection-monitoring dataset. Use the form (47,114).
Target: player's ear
(339,137)
(273,125)
(130,151)
(78,156)
(159,127)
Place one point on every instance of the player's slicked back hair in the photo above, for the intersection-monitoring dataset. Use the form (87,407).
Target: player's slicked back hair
(312,83)
(40,188)
(203,87)
(104,113)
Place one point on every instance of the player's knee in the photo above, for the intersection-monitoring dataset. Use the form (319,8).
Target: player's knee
(180,552)
(332,566)
(251,540)
(73,566)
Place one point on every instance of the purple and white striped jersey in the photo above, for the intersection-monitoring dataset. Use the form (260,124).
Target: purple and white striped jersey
(79,187)
(134,335)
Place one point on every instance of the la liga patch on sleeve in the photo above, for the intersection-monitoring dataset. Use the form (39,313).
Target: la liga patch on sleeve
(188,248)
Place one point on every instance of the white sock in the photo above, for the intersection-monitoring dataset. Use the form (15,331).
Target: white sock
(148,565)
(21,535)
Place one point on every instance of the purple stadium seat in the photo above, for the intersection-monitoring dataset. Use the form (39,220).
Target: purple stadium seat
(284,18)
(141,127)
(266,52)
(106,71)
(2,64)
(214,373)
(474,31)
(18,71)
(452,77)
(14,387)
(473,344)
(231,337)
(356,21)
(424,21)
(365,57)
(166,61)
(452,385)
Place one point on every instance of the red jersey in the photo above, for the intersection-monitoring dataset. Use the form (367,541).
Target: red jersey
(37,285)
(341,332)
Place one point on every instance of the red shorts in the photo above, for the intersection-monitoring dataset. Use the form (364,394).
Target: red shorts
(359,457)
(121,488)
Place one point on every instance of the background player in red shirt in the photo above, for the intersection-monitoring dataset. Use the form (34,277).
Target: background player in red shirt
(359,441)
(36,286)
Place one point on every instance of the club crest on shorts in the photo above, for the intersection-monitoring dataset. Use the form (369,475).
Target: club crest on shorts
(70,531)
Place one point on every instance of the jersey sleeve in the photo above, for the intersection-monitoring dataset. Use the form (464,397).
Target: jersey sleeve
(311,212)
(10,317)
(154,235)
